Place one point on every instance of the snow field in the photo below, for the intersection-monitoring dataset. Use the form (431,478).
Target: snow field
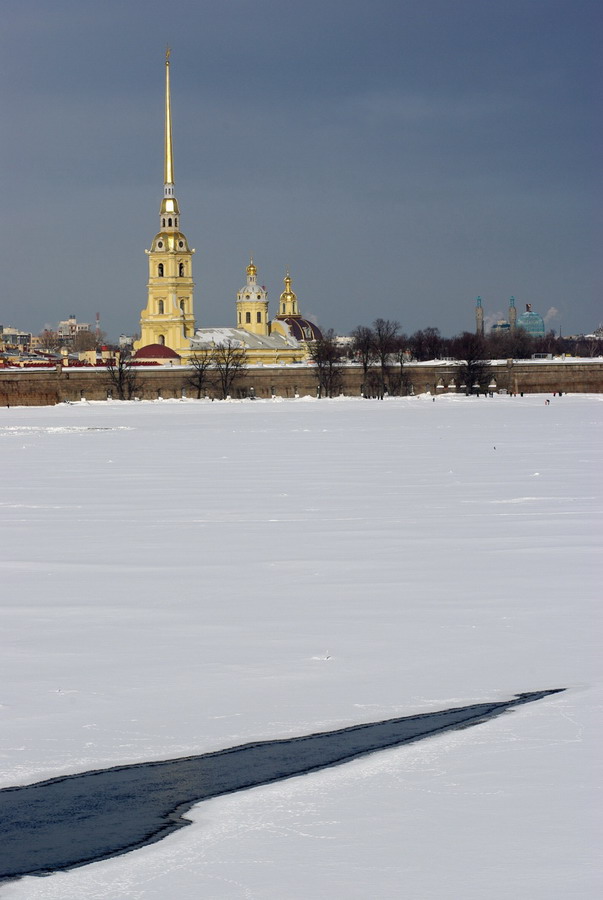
(181,577)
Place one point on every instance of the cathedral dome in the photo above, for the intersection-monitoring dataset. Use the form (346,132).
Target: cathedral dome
(288,296)
(252,290)
(531,322)
(301,329)
(169,240)
(156,351)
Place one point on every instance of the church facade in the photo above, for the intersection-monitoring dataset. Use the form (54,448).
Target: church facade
(168,330)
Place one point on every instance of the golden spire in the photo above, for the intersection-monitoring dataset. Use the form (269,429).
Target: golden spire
(169,211)
(168,168)
(288,293)
(288,299)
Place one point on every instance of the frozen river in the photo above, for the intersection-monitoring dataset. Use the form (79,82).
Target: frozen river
(179,578)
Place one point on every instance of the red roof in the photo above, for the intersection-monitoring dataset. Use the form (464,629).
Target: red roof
(156,351)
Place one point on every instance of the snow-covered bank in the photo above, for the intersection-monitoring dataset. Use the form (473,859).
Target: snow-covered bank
(180,577)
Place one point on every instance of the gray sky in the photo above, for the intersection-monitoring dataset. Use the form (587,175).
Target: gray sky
(400,157)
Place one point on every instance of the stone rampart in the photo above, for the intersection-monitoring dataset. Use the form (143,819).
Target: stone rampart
(30,387)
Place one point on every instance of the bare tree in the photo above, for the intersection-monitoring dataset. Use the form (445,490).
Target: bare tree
(201,364)
(590,346)
(363,348)
(122,376)
(386,332)
(229,360)
(326,354)
(426,344)
(50,340)
(398,379)
(517,344)
(85,340)
(471,348)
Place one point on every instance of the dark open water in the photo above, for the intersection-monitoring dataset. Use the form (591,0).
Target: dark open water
(67,822)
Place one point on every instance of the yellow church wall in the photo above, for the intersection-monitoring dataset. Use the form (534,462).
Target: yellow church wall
(248,312)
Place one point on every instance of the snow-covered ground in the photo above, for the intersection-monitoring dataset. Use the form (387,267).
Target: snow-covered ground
(182,577)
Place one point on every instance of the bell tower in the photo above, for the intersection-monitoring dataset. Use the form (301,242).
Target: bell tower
(252,304)
(169,317)
(288,301)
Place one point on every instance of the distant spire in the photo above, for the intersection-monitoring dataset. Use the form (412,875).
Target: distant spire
(169,207)
(168,167)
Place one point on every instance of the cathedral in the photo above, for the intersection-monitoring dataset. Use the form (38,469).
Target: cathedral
(168,332)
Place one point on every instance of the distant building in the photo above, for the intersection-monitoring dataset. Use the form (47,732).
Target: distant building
(168,319)
(12,340)
(69,328)
(531,322)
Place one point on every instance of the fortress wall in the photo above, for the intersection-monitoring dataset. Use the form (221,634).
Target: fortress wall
(27,387)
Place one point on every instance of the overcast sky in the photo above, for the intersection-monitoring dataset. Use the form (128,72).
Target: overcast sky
(400,157)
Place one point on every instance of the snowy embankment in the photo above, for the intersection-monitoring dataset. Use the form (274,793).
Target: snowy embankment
(181,577)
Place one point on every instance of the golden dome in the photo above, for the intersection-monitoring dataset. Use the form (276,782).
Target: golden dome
(251,269)
(288,294)
(166,240)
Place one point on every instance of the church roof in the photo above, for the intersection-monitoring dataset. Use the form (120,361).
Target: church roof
(156,351)
(301,329)
(239,337)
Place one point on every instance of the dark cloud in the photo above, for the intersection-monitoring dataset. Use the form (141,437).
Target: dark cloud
(400,158)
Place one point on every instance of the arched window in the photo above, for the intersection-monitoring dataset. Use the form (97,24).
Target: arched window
(163,223)
(160,270)
(248,318)
(161,339)
(176,222)
(160,307)
(259,317)
(239,318)
(170,223)
(283,308)
(183,306)
(181,270)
